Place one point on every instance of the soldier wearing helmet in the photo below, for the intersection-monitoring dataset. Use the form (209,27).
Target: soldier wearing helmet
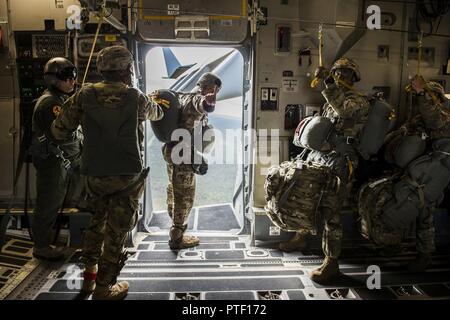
(432,105)
(52,178)
(181,189)
(348,110)
(434,118)
(111,114)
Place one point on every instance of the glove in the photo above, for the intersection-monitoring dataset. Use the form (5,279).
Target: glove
(329,80)
(321,73)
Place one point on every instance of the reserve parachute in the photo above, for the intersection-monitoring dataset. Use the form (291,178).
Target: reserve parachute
(317,133)
(313,133)
(164,128)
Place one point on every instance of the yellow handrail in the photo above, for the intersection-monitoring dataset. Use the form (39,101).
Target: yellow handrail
(102,15)
(315,81)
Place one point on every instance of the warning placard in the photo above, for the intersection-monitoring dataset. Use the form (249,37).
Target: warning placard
(290,85)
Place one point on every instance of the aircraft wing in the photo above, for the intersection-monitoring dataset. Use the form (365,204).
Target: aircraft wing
(227,67)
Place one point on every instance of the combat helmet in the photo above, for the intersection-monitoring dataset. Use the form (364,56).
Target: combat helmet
(347,63)
(208,80)
(58,69)
(114,58)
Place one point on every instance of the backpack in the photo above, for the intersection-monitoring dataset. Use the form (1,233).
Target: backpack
(432,173)
(390,205)
(164,128)
(403,149)
(372,199)
(293,192)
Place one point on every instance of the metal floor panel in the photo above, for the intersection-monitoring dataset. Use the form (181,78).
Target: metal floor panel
(201,246)
(131,274)
(228,268)
(204,239)
(76,296)
(219,218)
(16,264)
(200,284)
(207,218)
(244,295)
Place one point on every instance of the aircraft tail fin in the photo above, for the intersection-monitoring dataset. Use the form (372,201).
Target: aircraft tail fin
(173,66)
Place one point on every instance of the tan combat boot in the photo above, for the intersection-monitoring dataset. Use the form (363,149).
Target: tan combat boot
(179,241)
(112,292)
(328,270)
(296,243)
(89,276)
(421,263)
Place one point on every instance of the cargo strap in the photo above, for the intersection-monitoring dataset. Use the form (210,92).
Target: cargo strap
(56,151)
(350,169)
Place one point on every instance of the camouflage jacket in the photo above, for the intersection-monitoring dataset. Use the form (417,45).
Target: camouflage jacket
(111,92)
(192,111)
(347,109)
(435,118)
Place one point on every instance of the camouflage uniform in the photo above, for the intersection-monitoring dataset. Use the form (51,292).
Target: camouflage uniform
(114,197)
(181,188)
(52,178)
(436,122)
(349,111)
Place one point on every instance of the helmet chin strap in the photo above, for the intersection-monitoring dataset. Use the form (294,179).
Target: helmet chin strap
(58,90)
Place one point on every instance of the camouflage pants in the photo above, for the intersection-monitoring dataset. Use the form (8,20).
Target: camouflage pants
(332,200)
(52,181)
(113,217)
(425,231)
(181,189)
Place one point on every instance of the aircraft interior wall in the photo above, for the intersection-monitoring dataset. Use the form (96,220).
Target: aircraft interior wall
(377,69)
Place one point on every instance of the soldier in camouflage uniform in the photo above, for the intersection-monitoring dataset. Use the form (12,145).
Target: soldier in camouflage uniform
(111,114)
(349,110)
(52,176)
(435,119)
(181,188)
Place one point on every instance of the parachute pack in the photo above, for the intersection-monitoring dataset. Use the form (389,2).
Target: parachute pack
(313,133)
(379,123)
(293,191)
(164,128)
(316,133)
(403,149)
(389,206)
